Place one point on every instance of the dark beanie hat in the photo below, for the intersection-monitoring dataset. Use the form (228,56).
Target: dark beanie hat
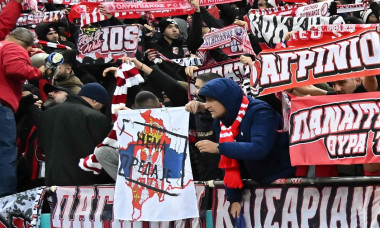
(95,91)
(164,23)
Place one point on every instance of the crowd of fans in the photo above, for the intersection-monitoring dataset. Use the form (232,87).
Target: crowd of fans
(61,114)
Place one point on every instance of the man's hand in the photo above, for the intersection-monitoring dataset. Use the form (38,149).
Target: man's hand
(42,69)
(235,209)
(195,3)
(241,24)
(38,103)
(102,11)
(151,30)
(288,35)
(207,146)
(34,51)
(246,60)
(151,54)
(120,107)
(189,70)
(195,106)
(110,69)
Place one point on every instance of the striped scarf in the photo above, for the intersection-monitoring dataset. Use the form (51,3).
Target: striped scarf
(127,76)
(53,45)
(231,166)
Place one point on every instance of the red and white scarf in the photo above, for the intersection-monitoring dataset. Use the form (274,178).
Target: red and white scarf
(231,166)
(127,76)
(53,45)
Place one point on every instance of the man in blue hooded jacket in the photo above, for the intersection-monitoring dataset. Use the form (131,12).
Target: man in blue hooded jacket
(249,132)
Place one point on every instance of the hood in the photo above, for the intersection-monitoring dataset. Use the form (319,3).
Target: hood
(43,28)
(227,92)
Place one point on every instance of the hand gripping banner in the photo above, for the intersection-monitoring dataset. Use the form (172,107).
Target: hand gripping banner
(338,129)
(353,54)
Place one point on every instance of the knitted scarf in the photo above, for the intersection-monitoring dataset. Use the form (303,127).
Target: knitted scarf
(127,76)
(231,166)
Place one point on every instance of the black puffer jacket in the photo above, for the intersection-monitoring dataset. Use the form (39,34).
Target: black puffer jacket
(68,132)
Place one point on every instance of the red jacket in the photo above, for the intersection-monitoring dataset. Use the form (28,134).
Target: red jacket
(8,18)
(15,69)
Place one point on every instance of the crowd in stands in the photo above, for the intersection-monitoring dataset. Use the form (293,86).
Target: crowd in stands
(54,118)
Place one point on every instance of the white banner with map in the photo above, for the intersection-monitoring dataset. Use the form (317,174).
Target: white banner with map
(155,181)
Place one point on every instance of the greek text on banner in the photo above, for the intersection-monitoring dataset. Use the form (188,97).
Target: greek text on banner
(351,55)
(338,129)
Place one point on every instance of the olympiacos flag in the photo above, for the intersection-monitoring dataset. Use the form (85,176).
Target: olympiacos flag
(155,181)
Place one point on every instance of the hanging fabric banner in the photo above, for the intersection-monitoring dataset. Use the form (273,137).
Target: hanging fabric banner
(107,43)
(305,206)
(233,69)
(23,209)
(154,178)
(157,9)
(334,58)
(232,40)
(134,10)
(40,17)
(92,206)
(74,2)
(271,29)
(339,129)
(325,33)
(310,10)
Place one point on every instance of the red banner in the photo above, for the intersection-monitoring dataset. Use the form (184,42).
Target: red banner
(338,129)
(324,33)
(89,12)
(215,2)
(348,56)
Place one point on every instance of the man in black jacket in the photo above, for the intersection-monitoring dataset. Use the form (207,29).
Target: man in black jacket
(170,46)
(70,131)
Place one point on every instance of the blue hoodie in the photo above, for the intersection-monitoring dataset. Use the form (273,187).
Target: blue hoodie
(261,147)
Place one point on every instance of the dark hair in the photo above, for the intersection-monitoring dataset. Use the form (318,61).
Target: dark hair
(142,99)
(206,77)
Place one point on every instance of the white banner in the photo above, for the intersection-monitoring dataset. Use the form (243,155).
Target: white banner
(155,181)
